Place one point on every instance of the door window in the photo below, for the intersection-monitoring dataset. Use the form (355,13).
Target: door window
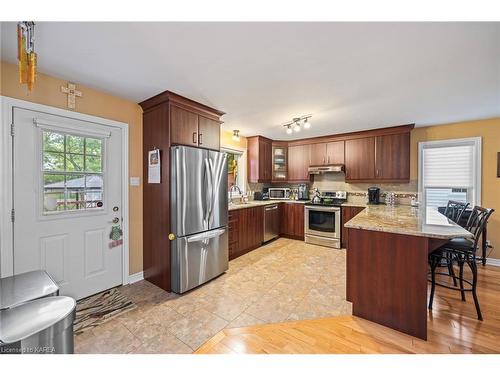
(72,172)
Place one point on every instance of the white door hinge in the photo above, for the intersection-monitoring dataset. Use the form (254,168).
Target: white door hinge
(12,129)
(12,215)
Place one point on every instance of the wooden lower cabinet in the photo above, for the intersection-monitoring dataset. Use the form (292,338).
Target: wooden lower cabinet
(292,220)
(246,230)
(246,227)
(348,213)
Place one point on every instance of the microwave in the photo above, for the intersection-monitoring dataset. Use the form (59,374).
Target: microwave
(279,193)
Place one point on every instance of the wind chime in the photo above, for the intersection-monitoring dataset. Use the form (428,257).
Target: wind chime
(26,53)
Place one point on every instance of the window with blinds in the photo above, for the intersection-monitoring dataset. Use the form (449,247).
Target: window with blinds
(450,170)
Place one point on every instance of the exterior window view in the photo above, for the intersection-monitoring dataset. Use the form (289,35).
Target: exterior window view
(264,180)
(72,172)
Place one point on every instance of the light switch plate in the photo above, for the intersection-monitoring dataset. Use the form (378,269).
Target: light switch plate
(135,181)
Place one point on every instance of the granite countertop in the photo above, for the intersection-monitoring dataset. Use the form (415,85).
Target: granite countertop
(239,206)
(352,204)
(407,220)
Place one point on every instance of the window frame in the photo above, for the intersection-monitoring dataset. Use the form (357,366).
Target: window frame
(476,142)
(242,166)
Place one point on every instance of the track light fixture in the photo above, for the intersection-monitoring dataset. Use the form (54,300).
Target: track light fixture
(297,124)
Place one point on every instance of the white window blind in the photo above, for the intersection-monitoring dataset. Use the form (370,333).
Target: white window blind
(450,170)
(449,167)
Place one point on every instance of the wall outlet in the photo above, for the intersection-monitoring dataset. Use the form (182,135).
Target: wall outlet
(135,181)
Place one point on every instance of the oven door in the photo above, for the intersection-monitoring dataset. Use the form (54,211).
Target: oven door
(322,221)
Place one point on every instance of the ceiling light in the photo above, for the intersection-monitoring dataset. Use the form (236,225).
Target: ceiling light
(236,135)
(297,123)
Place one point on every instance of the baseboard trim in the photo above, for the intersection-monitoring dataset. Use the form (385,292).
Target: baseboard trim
(493,262)
(136,277)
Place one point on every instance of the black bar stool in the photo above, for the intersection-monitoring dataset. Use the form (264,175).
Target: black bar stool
(463,251)
(454,211)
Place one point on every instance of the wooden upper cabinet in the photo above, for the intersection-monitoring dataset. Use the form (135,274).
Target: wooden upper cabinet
(189,128)
(360,159)
(298,163)
(327,153)
(392,157)
(184,126)
(208,133)
(318,154)
(335,152)
(259,159)
(279,163)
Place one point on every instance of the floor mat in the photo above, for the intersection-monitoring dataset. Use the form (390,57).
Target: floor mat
(99,308)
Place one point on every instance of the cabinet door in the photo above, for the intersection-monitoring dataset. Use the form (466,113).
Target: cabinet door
(392,157)
(318,154)
(360,159)
(347,214)
(184,126)
(298,222)
(266,160)
(208,133)
(279,163)
(233,237)
(335,152)
(292,220)
(298,163)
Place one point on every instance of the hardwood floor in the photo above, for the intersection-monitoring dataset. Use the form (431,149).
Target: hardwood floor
(452,328)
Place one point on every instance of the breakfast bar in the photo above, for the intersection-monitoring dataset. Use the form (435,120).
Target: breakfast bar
(387,266)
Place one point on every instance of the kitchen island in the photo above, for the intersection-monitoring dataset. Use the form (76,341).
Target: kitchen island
(387,263)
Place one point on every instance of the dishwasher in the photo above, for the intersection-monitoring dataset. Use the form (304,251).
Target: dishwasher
(271,222)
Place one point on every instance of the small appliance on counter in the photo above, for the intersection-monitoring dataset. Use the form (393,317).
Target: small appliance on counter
(303,192)
(373,195)
(260,196)
(279,193)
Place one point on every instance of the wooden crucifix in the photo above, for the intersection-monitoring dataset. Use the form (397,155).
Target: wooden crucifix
(73,93)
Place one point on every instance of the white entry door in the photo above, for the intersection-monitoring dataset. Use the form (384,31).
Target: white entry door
(67,201)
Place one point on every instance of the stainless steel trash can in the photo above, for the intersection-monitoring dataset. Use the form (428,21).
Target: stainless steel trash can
(24,287)
(43,326)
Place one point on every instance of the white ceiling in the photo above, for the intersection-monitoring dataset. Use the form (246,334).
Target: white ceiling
(350,76)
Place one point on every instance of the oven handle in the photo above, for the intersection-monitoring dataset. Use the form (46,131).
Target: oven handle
(324,209)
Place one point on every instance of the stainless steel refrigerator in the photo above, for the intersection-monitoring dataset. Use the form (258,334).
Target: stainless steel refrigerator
(198,216)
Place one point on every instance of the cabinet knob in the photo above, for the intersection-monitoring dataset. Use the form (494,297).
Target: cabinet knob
(194,138)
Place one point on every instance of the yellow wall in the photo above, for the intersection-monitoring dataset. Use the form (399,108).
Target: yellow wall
(226,140)
(489,131)
(48,91)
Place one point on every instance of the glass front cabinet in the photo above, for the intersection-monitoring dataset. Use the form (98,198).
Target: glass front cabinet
(279,163)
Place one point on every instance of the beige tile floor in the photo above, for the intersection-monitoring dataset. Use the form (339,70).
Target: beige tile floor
(284,280)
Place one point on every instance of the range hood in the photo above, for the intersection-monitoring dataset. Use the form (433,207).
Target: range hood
(326,169)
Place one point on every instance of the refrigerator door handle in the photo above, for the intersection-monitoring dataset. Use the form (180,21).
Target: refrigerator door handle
(208,193)
(206,235)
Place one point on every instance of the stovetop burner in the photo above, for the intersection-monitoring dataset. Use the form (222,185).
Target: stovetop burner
(330,198)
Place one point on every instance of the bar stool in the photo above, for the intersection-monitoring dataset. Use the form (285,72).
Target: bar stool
(463,251)
(454,211)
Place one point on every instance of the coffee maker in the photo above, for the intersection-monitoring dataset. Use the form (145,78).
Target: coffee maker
(303,192)
(373,195)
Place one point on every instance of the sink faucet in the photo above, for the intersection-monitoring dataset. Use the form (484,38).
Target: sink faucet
(231,190)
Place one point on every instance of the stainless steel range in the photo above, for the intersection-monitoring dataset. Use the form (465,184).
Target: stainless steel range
(322,224)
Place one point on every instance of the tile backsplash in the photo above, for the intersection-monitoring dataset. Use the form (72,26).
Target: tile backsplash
(356,191)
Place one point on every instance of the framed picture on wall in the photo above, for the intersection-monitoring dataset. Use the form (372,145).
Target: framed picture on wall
(498,164)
